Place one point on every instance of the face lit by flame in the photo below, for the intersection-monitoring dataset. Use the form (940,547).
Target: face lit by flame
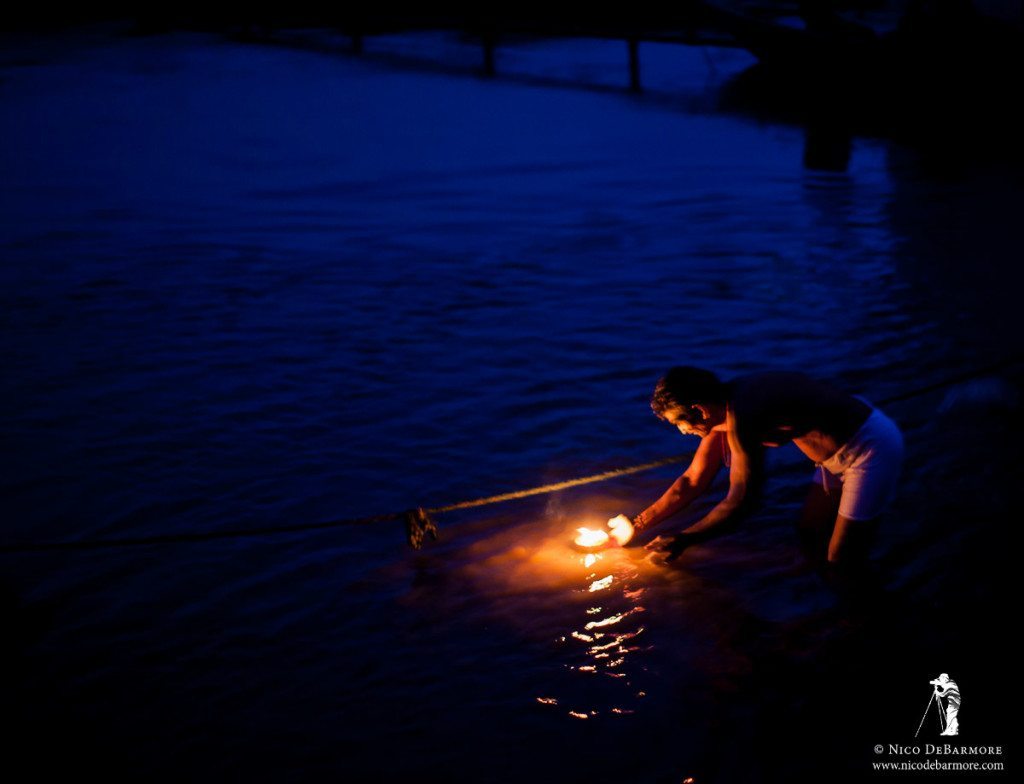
(588,538)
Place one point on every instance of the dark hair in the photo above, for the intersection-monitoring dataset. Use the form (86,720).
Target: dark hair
(685,387)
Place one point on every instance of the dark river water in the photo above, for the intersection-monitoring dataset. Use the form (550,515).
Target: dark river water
(250,286)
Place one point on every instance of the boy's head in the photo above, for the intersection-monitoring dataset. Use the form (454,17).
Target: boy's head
(689,398)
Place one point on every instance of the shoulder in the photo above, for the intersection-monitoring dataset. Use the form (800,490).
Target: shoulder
(770,379)
(753,395)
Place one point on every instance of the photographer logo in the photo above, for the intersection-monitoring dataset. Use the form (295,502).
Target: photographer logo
(946,699)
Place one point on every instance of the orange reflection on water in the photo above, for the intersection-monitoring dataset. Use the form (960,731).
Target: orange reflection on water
(600,585)
(538,578)
(608,652)
(613,618)
(604,622)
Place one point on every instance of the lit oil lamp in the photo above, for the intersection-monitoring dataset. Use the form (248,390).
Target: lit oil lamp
(589,540)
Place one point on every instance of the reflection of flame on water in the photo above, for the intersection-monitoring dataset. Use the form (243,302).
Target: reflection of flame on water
(600,585)
(604,622)
(606,629)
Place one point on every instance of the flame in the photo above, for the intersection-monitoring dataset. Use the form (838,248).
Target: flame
(622,529)
(588,538)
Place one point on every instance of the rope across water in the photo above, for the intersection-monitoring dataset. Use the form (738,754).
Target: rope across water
(418,519)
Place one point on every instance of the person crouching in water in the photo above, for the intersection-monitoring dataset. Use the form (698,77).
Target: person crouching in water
(857,451)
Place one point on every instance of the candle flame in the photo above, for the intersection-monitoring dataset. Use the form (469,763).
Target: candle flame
(588,538)
(621,528)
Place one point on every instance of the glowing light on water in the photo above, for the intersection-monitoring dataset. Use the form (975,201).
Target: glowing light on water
(615,619)
(600,585)
(604,622)
(588,538)
(601,636)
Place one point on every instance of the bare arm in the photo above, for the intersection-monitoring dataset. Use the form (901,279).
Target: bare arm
(692,483)
(746,477)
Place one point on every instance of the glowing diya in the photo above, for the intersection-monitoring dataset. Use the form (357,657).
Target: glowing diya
(589,540)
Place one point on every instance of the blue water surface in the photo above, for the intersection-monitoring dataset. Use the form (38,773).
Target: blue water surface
(261,285)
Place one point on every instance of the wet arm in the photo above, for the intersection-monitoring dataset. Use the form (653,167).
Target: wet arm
(746,476)
(692,483)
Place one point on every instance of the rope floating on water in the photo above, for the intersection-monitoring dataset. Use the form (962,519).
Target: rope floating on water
(418,520)
(419,523)
(583,480)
